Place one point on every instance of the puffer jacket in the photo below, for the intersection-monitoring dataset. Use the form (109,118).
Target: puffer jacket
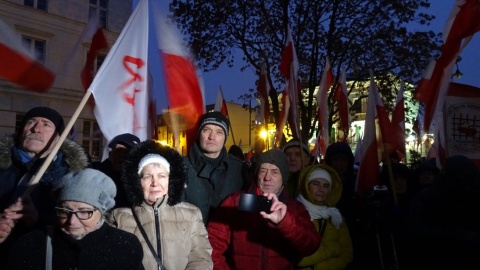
(336,250)
(183,240)
(245,240)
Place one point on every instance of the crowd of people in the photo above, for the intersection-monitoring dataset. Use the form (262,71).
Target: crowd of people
(148,207)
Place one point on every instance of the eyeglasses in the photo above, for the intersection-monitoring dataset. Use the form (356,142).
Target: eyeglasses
(81,214)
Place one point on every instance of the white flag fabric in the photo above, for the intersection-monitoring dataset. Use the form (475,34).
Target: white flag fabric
(120,86)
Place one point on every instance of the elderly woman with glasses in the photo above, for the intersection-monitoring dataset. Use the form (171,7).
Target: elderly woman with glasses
(82,239)
(171,231)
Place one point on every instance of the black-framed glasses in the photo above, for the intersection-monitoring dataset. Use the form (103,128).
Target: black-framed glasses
(81,214)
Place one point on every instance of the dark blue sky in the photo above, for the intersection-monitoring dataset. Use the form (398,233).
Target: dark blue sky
(235,83)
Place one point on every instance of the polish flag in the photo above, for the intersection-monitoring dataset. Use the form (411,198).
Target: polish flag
(369,172)
(323,110)
(220,104)
(184,86)
(263,88)
(121,87)
(283,118)
(99,43)
(19,66)
(398,123)
(461,25)
(341,97)
(289,66)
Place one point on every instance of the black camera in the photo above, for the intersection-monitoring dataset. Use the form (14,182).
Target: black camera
(254,203)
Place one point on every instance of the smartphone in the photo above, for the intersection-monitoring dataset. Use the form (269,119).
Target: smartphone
(254,203)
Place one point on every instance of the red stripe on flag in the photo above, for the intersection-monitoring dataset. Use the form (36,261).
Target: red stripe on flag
(24,71)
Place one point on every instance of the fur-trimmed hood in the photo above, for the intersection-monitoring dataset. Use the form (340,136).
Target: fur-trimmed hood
(334,196)
(131,179)
(74,154)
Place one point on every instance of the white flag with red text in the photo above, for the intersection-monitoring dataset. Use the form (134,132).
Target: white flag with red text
(19,66)
(120,87)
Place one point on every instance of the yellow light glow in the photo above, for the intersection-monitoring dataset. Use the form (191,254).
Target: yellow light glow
(263,134)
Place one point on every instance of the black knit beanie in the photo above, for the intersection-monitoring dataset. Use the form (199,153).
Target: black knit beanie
(214,118)
(45,112)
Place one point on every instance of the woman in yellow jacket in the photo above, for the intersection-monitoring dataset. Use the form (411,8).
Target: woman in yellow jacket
(320,189)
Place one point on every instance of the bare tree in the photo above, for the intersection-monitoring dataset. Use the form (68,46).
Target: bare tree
(357,35)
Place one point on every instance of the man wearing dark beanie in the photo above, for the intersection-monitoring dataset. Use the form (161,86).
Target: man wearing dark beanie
(245,238)
(21,156)
(212,172)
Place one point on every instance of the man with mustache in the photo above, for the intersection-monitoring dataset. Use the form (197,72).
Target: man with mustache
(20,158)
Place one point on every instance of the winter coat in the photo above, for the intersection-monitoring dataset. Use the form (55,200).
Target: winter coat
(183,240)
(208,186)
(104,248)
(70,158)
(335,251)
(245,240)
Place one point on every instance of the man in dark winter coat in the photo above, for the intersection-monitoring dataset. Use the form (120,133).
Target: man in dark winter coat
(119,146)
(20,158)
(212,172)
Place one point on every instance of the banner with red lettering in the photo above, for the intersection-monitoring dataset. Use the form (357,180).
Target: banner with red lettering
(120,86)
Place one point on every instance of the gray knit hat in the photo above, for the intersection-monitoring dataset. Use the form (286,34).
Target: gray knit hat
(277,158)
(87,186)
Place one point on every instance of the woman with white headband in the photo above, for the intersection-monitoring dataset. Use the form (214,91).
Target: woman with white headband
(172,232)
(320,190)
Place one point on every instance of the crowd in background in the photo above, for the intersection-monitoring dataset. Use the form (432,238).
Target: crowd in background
(148,207)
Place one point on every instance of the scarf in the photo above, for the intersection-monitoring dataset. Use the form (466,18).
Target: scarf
(321,211)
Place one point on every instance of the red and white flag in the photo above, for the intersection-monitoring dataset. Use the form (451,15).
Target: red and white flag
(120,87)
(398,123)
(263,88)
(461,25)
(283,118)
(326,82)
(369,173)
(220,104)
(98,43)
(341,97)
(19,66)
(289,69)
(183,83)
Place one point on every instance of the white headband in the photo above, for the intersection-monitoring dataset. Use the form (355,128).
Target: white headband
(320,173)
(153,158)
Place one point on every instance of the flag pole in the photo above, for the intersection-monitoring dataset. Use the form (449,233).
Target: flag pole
(36,178)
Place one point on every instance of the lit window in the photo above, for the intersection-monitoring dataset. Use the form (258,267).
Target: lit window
(92,139)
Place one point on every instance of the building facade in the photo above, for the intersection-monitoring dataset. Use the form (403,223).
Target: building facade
(50,29)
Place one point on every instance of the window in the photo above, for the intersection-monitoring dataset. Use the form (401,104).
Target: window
(35,46)
(99,8)
(38,4)
(92,139)
(99,61)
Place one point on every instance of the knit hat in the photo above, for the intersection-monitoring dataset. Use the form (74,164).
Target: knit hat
(45,112)
(320,173)
(214,118)
(153,158)
(128,140)
(277,158)
(88,186)
(296,143)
